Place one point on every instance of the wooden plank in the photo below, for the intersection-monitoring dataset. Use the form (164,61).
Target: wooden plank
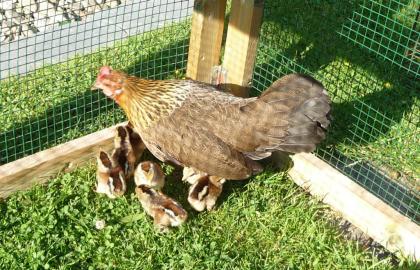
(364,210)
(206,38)
(37,168)
(241,44)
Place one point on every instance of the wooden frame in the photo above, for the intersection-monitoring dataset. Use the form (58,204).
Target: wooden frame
(37,168)
(364,210)
(373,216)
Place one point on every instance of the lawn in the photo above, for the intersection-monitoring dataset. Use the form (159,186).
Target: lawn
(266,222)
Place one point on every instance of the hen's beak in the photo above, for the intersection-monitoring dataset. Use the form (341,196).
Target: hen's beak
(94,87)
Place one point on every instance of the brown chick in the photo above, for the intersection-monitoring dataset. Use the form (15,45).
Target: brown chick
(179,120)
(150,174)
(204,193)
(166,212)
(110,177)
(128,149)
(204,189)
(136,144)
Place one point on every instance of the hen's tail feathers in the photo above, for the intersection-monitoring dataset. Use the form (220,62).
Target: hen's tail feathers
(301,108)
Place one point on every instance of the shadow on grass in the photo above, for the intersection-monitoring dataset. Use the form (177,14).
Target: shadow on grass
(319,22)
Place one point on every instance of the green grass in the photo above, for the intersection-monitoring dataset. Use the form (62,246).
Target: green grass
(264,223)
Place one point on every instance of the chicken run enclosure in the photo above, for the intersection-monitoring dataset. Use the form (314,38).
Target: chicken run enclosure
(366,53)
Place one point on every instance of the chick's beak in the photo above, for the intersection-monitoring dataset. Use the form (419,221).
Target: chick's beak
(149,176)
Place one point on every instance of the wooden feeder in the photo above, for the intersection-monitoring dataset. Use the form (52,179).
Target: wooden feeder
(364,210)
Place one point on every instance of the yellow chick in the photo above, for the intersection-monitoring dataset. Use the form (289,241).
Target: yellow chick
(165,211)
(110,177)
(150,174)
(204,192)
(204,189)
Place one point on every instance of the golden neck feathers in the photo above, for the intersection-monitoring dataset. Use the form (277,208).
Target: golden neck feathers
(146,101)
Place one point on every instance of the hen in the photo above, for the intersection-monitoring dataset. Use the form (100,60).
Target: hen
(182,121)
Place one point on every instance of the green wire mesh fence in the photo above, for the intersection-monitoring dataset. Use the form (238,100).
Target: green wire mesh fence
(389,29)
(365,52)
(45,95)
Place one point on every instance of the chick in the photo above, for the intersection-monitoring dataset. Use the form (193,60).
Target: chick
(137,145)
(150,174)
(204,192)
(204,189)
(128,149)
(165,211)
(110,177)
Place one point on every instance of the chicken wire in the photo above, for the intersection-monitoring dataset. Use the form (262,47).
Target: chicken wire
(364,52)
(389,29)
(45,76)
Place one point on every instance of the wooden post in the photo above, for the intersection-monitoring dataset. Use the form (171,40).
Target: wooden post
(206,38)
(37,168)
(241,44)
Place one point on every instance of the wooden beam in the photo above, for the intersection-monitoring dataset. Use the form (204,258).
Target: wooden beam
(206,38)
(364,210)
(37,168)
(241,44)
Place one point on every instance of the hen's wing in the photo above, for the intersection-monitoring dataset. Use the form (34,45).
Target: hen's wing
(292,115)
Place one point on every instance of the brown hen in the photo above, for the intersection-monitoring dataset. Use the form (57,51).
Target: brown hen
(195,125)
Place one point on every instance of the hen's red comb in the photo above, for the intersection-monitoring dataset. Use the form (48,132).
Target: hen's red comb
(104,71)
